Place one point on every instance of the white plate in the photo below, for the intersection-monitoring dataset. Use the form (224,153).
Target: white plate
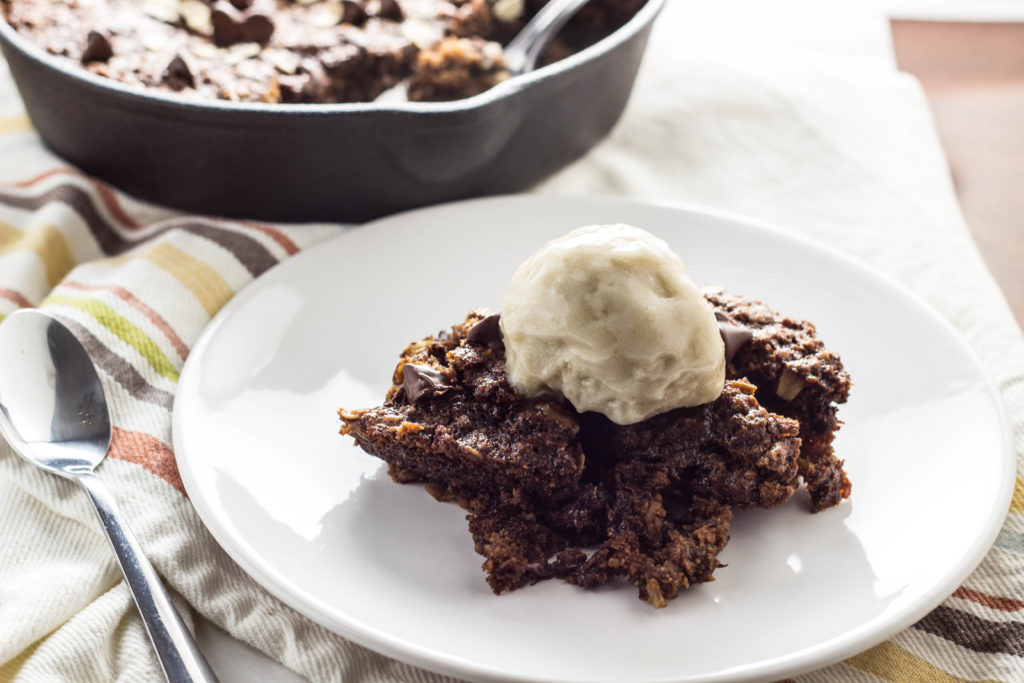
(320,525)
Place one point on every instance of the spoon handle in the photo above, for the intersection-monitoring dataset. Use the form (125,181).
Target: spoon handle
(175,647)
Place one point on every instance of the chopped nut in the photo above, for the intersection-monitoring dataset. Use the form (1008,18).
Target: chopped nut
(285,61)
(473,453)
(397,93)
(654,595)
(167,11)
(507,10)
(556,413)
(422,33)
(197,16)
(743,387)
(349,414)
(205,50)
(252,69)
(492,53)
(790,385)
(326,14)
(408,428)
(417,347)
(242,51)
(154,42)
(423,10)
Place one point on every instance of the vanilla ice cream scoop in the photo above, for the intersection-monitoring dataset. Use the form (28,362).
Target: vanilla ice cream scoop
(607,317)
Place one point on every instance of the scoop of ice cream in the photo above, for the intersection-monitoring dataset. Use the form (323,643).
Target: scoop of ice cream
(607,317)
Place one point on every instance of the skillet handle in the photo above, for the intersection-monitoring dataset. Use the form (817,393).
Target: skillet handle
(522,53)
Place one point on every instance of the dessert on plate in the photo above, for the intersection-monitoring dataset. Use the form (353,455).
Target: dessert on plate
(609,420)
(295,51)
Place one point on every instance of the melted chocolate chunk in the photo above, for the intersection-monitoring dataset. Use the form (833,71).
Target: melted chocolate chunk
(342,61)
(97,48)
(178,76)
(734,336)
(242,4)
(421,381)
(389,9)
(353,13)
(230,26)
(487,333)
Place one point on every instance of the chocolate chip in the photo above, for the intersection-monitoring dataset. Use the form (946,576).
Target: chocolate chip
(231,26)
(734,335)
(487,332)
(421,381)
(352,13)
(389,9)
(97,48)
(178,76)
(242,4)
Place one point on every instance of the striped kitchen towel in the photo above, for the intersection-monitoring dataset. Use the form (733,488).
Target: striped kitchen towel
(845,156)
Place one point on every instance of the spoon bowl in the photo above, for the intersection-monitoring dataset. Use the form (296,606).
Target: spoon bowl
(53,412)
(52,406)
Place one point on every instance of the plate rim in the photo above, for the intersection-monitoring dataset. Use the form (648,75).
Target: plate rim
(822,654)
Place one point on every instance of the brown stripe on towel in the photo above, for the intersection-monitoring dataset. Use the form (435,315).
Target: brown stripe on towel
(106,193)
(282,239)
(256,258)
(117,367)
(974,633)
(79,200)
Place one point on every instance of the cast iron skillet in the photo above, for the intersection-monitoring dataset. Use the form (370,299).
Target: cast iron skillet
(328,162)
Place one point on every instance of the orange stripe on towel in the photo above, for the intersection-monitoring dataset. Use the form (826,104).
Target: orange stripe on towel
(990,601)
(148,451)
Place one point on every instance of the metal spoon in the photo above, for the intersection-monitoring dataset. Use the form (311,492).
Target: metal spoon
(54,414)
(522,53)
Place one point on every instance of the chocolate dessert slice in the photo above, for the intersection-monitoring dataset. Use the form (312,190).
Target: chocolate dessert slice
(452,420)
(551,492)
(797,377)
